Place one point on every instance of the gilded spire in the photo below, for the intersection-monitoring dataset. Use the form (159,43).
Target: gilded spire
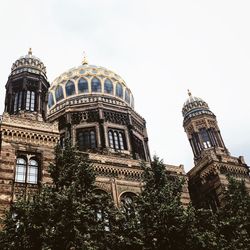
(30,51)
(85,60)
(189,93)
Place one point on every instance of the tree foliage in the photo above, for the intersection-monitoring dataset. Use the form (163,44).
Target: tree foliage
(72,214)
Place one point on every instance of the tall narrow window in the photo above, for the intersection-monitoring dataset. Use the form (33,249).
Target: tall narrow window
(95,85)
(86,138)
(32,172)
(18,101)
(205,138)
(51,101)
(127,96)
(108,86)
(139,148)
(83,86)
(119,90)
(20,170)
(117,139)
(111,143)
(70,88)
(59,93)
(30,100)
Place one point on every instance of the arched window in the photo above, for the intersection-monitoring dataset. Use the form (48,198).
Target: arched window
(51,101)
(83,86)
(30,100)
(86,138)
(108,87)
(127,96)
(117,139)
(70,88)
(205,138)
(26,172)
(18,101)
(119,90)
(59,93)
(95,85)
(128,203)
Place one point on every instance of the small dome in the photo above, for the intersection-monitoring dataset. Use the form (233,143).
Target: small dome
(28,63)
(194,106)
(86,81)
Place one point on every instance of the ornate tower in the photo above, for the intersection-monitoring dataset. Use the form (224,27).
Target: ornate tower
(27,86)
(213,162)
(26,140)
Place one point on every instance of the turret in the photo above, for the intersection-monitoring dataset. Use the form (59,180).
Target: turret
(27,87)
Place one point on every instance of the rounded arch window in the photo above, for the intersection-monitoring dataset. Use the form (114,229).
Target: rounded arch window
(108,86)
(51,101)
(59,93)
(95,85)
(119,90)
(26,171)
(70,88)
(128,203)
(83,86)
(127,96)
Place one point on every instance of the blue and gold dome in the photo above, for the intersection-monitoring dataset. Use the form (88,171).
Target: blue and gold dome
(89,81)
(195,106)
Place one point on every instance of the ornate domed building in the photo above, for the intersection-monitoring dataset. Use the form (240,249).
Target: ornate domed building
(213,162)
(94,108)
(89,105)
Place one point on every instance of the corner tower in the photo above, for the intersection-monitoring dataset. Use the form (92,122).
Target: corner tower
(27,141)
(27,87)
(213,162)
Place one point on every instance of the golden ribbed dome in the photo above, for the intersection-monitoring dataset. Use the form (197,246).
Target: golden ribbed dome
(89,81)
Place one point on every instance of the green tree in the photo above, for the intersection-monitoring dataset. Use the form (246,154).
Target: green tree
(234,216)
(161,214)
(69,214)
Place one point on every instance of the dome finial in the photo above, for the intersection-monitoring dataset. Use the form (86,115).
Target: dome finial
(189,93)
(85,60)
(30,51)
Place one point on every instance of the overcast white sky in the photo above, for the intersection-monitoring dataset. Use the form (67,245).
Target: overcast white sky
(160,48)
